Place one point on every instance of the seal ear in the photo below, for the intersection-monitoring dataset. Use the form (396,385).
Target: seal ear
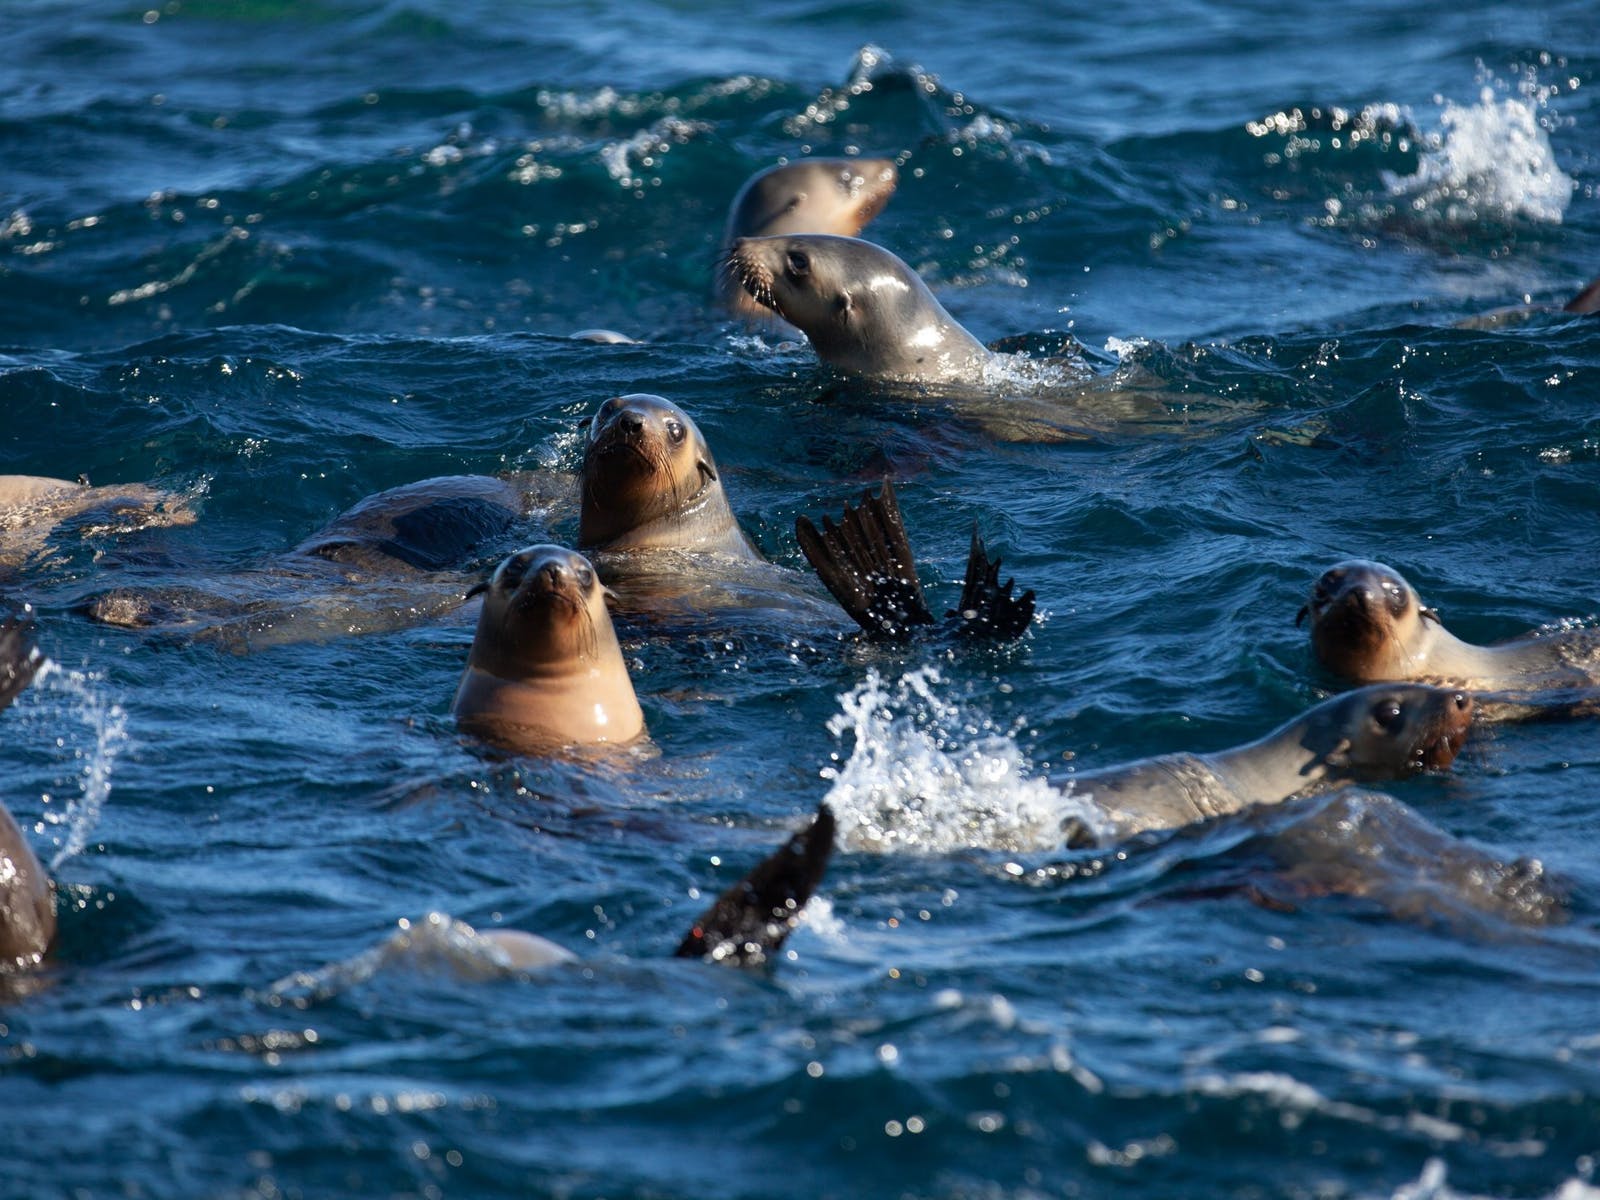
(844,306)
(707,470)
(1429,614)
(1299,617)
(477,589)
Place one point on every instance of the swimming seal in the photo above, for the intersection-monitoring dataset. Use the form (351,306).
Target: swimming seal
(813,195)
(864,310)
(1368,845)
(1368,624)
(389,561)
(545,670)
(27,907)
(1374,734)
(33,507)
(745,926)
(649,482)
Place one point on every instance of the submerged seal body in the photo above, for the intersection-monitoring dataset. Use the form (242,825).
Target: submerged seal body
(1366,736)
(1368,624)
(813,195)
(545,669)
(27,907)
(33,508)
(649,483)
(389,561)
(864,310)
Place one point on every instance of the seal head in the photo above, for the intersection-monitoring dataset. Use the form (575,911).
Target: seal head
(1368,623)
(545,669)
(814,195)
(649,482)
(865,311)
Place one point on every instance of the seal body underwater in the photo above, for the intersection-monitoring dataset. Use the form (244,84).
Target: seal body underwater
(545,670)
(27,906)
(1371,735)
(864,310)
(1369,624)
(33,508)
(810,195)
(389,561)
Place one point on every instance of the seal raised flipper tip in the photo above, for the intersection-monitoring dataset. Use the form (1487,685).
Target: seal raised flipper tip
(751,919)
(987,609)
(866,562)
(19,658)
(1586,301)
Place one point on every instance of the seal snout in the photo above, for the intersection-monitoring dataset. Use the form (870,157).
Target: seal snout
(1450,732)
(744,264)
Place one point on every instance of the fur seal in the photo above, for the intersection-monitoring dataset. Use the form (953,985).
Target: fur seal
(745,926)
(545,669)
(390,560)
(1368,624)
(1368,845)
(27,906)
(864,310)
(1374,734)
(865,560)
(649,482)
(813,195)
(33,507)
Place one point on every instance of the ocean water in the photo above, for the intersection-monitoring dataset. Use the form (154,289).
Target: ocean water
(279,256)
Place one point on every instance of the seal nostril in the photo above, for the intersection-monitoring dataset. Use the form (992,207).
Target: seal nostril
(631,421)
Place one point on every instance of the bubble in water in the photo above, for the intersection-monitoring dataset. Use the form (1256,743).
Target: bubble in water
(923,775)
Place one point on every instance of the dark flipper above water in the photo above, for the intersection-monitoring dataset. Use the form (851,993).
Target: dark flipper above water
(18,659)
(751,919)
(1586,301)
(987,609)
(866,562)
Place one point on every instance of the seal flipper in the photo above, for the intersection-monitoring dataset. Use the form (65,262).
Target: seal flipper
(750,920)
(986,608)
(19,660)
(1586,301)
(866,562)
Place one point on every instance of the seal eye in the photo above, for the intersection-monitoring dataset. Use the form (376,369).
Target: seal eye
(675,430)
(1390,715)
(585,578)
(1394,595)
(512,570)
(797,264)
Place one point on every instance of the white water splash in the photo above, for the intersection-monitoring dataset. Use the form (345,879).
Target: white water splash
(1489,159)
(925,776)
(107,722)
(1431,1185)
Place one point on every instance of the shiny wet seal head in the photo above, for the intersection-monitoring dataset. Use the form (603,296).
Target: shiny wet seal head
(1389,731)
(545,669)
(864,310)
(814,195)
(1367,623)
(643,458)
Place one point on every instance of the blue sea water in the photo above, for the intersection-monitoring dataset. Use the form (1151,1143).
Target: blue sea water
(279,256)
